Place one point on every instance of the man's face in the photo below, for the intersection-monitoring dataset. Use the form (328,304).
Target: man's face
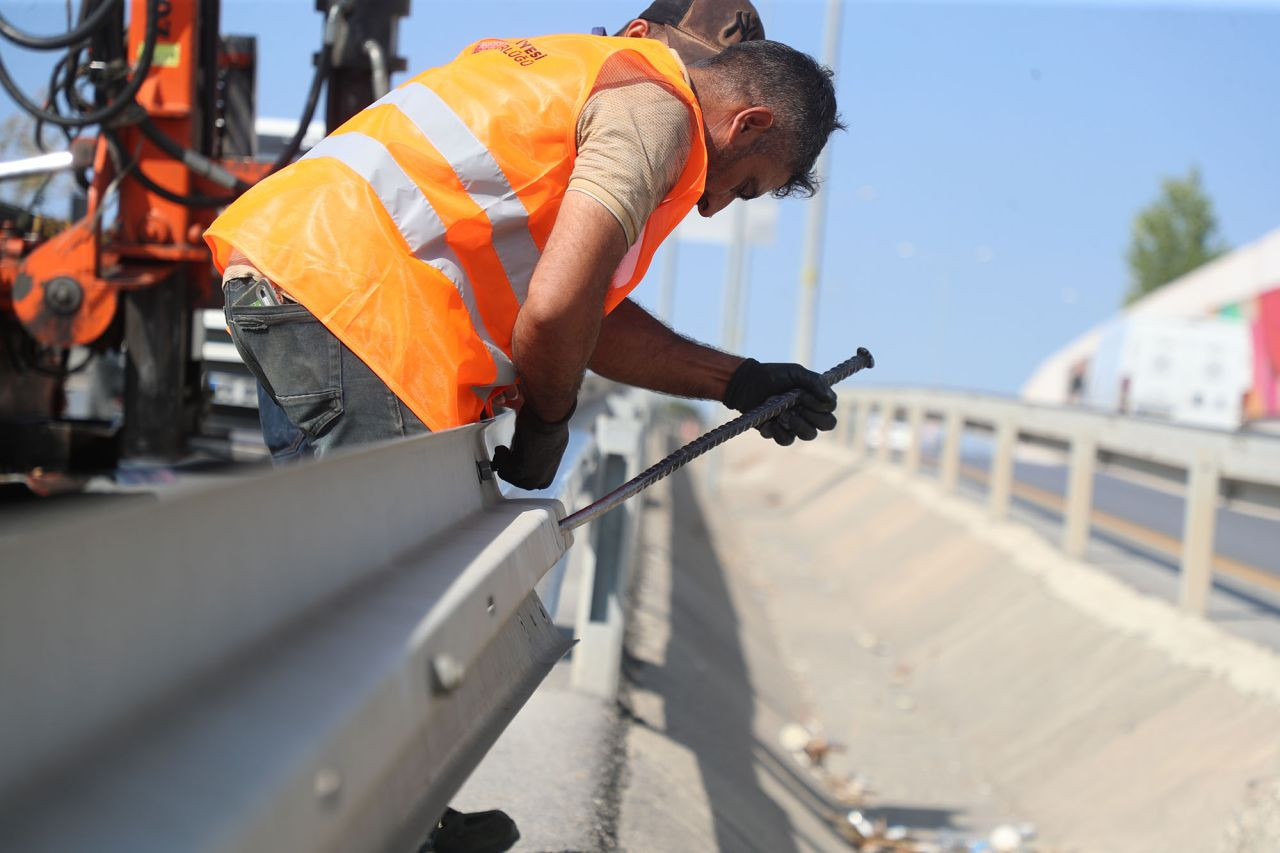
(740,163)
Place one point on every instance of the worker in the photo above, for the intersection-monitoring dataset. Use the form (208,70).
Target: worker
(695,29)
(446,247)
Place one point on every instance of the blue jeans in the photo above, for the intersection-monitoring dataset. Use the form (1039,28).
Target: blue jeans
(325,393)
(286,442)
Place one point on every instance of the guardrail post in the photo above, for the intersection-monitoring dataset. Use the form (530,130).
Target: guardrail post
(600,625)
(1000,481)
(1079,508)
(950,462)
(862,435)
(844,434)
(915,425)
(888,415)
(1197,531)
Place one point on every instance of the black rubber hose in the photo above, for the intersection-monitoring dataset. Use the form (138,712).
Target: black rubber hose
(308,111)
(37,132)
(123,99)
(196,201)
(173,149)
(193,160)
(67,64)
(69,94)
(82,31)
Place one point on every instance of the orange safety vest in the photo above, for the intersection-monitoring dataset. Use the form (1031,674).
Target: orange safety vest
(412,231)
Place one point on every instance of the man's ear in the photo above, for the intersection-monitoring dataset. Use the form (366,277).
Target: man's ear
(750,123)
(637,29)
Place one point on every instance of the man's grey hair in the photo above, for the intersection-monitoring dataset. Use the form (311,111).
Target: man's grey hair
(796,88)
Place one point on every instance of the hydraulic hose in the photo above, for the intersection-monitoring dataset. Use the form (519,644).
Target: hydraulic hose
(79,33)
(708,441)
(195,201)
(55,85)
(193,160)
(323,66)
(123,99)
(204,166)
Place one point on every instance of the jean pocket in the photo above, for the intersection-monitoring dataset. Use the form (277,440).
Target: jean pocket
(297,359)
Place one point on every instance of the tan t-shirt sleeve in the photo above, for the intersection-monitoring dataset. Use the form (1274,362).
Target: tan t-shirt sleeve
(633,142)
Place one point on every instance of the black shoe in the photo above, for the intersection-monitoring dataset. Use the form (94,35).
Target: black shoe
(472,832)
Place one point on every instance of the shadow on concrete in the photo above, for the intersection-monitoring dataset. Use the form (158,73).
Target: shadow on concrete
(842,475)
(806,790)
(706,687)
(801,786)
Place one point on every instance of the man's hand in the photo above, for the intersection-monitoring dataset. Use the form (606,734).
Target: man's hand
(536,448)
(753,383)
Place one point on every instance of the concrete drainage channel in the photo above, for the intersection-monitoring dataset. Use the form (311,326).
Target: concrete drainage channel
(704,696)
(979,681)
(699,751)
(825,656)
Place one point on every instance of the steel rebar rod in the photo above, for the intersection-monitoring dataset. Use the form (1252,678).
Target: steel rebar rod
(714,438)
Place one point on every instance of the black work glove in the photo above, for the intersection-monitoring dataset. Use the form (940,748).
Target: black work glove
(753,383)
(536,448)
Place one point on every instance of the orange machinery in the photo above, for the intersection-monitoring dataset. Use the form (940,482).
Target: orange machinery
(172,140)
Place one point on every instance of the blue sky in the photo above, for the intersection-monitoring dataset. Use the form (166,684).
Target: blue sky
(980,202)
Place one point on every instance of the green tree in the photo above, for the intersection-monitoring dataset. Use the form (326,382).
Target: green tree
(1172,236)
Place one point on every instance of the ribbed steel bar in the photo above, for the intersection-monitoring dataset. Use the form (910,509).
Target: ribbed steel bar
(712,439)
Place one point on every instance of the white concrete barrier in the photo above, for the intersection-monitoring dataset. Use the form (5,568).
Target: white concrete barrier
(1212,461)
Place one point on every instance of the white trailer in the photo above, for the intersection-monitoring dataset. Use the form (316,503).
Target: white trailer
(1190,370)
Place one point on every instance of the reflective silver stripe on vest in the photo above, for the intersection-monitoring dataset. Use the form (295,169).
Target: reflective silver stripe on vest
(481,177)
(417,222)
(506,370)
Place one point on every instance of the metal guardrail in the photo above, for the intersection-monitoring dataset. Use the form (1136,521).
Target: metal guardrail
(314,659)
(607,545)
(1211,463)
(606,448)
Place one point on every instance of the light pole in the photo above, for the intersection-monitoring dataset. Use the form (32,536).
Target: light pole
(735,270)
(667,286)
(811,267)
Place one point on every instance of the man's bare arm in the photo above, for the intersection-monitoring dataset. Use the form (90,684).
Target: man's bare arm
(638,349)
(557,327)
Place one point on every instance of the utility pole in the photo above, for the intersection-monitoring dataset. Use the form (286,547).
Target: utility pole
(731,322)
(811,267)
(735,269)
(667,286)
